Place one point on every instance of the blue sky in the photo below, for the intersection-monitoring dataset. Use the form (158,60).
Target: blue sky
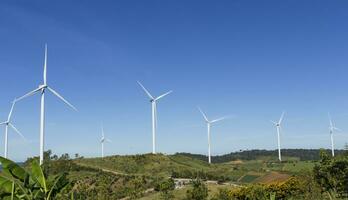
(249,59)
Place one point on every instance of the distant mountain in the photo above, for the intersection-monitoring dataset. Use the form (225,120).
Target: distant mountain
(301,154)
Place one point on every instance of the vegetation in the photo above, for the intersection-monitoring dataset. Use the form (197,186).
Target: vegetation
(166,188)
(332,174)
(301,154)
(17,183)
(199,191)
(156,177)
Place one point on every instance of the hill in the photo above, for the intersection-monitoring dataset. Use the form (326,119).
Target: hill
(178,166)
(192,166)
(301,154)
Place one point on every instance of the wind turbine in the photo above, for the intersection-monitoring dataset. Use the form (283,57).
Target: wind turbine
(42,89)
(102,140)
(278,127)
(8,124)
(209,123)
(332,128)
(153,101)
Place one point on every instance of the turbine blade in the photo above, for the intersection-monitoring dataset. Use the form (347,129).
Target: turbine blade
(108,140)
(61,98)
(163,95)
(337,129)
(17,131)
(1,123)
(147,92)
(273,122)
(45,67)
(205,117)
(29,94)
(281,118)
(219,119)
(331,124)
(102,129)
(10,114)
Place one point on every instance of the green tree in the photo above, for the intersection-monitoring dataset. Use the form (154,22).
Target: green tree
(332,174)
(166,187)
(198,192)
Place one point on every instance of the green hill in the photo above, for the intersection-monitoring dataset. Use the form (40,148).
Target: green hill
(161,165)
(135,176)
(183,166)
(300,154)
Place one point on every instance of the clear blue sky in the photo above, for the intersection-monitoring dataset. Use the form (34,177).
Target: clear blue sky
(249,59)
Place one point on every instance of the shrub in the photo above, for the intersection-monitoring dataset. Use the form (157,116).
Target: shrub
(198,192)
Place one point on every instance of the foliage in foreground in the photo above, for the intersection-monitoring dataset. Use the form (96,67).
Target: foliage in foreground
(17,183)
(294,188)
(332,174)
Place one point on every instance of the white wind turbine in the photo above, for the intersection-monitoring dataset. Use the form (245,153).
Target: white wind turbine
(153,101)
(208,126)
(102,140)
(42,89)
(278,127)
(8,124)
(332,128)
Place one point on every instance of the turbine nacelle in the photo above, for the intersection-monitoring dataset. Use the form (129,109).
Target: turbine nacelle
(206,118)
(332,126)
(5,123)
(43,86)
(278,124)
(153,99)
(8,123)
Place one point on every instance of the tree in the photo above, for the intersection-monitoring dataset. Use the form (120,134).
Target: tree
(17,183)
(166,187)
(198,192)
(332,174)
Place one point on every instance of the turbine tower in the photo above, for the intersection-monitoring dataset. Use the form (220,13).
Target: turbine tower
(153,101)
(278,127)
(209,123)
(102,140)
(332,128)
(8,124)
(42,90)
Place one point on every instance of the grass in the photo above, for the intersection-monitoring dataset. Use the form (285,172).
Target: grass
(298,166)
(248,178)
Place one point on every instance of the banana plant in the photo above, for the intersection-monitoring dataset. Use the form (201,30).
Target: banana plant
(16,183)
